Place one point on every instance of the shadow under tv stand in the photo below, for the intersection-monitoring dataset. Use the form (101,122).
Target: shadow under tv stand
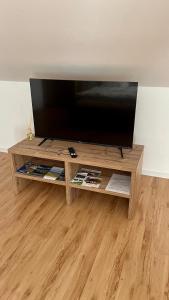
(55,153)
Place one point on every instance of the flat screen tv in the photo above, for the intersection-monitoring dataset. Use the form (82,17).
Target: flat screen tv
(97,112)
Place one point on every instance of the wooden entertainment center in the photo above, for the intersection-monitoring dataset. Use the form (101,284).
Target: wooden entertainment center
(55,153)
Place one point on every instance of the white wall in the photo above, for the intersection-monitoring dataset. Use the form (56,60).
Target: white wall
(152,129)
(124,39)
(15,112)
(151,125)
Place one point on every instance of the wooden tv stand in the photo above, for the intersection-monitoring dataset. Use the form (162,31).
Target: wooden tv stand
(55,153)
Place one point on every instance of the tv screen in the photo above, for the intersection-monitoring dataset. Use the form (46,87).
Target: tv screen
(98,112)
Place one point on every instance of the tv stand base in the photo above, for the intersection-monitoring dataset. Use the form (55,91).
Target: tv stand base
(106,159)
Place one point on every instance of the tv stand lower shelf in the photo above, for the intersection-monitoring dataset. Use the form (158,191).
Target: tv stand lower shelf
(55,153)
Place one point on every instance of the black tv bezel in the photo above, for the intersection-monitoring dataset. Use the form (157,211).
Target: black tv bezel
(80,141)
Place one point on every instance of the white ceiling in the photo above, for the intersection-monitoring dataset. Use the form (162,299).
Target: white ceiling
(89,39)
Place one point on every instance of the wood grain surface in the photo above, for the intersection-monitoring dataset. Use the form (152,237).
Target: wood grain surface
(101,156)
(55,153)
(86,251)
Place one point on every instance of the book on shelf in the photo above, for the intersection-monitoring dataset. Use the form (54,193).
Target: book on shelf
(119,183)
(44,171)
(55,173)
(87,177)
(29,168)
(39,170)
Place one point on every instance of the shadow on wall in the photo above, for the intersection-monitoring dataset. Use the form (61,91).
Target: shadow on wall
(81,72)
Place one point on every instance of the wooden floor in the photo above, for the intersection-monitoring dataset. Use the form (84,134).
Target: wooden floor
(86,251)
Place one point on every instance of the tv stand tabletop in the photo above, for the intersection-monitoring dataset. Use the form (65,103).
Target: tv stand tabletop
(94,155)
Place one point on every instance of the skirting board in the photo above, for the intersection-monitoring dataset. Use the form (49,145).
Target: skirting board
(155,173)
(3,150)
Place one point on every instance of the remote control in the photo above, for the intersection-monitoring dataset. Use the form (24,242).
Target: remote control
(72,152)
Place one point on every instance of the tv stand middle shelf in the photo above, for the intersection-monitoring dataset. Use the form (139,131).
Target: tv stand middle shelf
(105,177)
(36,178)
(55,153)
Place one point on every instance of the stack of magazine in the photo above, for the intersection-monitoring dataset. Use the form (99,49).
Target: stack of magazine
(87,177)
(119,183)
(46,172)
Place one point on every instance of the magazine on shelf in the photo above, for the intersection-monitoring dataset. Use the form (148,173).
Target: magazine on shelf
(29,168)
(55,173)
(87,177)
(39,170)
(92,182)
(119,183)
(47,172)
